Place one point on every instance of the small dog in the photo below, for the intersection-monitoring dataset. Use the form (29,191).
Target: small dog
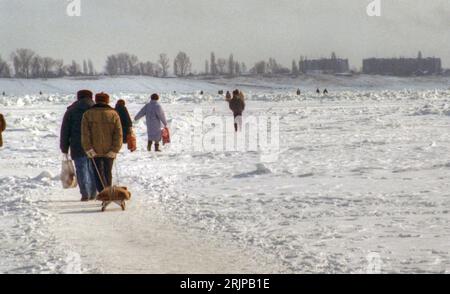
(114,193)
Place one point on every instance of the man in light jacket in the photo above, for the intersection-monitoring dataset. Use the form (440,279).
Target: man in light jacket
(101,138)
(155,117)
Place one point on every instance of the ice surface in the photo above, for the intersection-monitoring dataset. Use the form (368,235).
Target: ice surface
(363,171)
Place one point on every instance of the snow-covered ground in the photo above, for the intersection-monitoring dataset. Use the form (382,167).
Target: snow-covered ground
(360,184)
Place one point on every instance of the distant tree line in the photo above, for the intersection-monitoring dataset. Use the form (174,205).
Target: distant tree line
(29,65)
(25,63)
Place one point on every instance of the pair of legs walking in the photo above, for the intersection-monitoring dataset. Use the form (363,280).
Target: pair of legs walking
(86,178)
(149,146)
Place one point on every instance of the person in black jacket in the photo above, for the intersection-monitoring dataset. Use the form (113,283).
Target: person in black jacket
(237,105)
(71,139)
(125,119)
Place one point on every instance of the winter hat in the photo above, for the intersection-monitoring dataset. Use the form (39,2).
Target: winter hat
(236,92)
(120,102)
(102,98)
(155,97)
(84,94)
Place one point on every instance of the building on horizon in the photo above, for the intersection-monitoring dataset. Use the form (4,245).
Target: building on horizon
(331,65)
(403,66)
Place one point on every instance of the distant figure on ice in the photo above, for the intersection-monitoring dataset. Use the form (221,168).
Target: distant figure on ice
(201,92)
(228,96)
(220,92)
(125,119)
(4,94)
(325,92)
(71,139)
(101,138)
(40,93)
(318,91)
(2,128)
(155,116)
(237,105)
(299,92)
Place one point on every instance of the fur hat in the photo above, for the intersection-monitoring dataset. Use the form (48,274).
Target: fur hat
(102,98)
(120,102)
(84,94)
(154,97)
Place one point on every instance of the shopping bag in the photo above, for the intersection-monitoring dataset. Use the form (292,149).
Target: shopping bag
(131,141)
(165,136)
(68,177)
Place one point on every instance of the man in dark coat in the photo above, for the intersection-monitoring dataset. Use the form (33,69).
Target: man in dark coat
(237,105)
(125,119)
(71,139)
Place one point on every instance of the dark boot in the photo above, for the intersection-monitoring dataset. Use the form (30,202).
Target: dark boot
(157,147)
(149,146)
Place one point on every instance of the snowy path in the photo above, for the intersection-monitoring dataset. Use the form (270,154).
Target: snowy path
(47,229)
(361,176)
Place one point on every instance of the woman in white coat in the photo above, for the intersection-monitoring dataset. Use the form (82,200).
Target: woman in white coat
(155,119)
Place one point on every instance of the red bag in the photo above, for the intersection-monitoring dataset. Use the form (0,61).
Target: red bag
(131,141)
(165,136)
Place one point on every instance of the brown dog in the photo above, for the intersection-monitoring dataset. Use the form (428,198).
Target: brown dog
(114,193)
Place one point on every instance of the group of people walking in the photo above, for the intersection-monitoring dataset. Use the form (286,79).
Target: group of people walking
(94,133)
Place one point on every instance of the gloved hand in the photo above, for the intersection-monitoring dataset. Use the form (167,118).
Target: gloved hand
(111,154)
(91,153)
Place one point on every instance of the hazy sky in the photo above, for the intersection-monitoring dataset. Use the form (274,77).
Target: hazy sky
(251,29)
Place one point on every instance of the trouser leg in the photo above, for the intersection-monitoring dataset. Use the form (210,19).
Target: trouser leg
(99,174)
(82,172)
(149,146)
(107,170)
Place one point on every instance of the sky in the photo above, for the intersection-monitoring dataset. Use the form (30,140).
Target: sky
(250,29)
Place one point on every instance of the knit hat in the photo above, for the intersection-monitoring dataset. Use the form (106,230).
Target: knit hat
(102,98)
(84,94)
(154,97)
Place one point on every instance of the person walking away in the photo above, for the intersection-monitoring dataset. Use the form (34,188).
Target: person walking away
(125,119)
(102,139)
(228,96)
(318,91)
(2,128)
(299,92)
(237,105)
(71,139)
(325,92)
(154,116)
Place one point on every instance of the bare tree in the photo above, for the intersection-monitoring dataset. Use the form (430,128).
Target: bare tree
(221,63)
(59,68)
(36,66)
(164,63)
(47,66)
(294,69)
(182,64)
(85,68)
(122,64)
(73,69)
(5,70)
(22,59)
(213,64)
(91,68)
(231,65)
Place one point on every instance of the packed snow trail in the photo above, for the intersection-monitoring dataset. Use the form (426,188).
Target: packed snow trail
(48,230)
